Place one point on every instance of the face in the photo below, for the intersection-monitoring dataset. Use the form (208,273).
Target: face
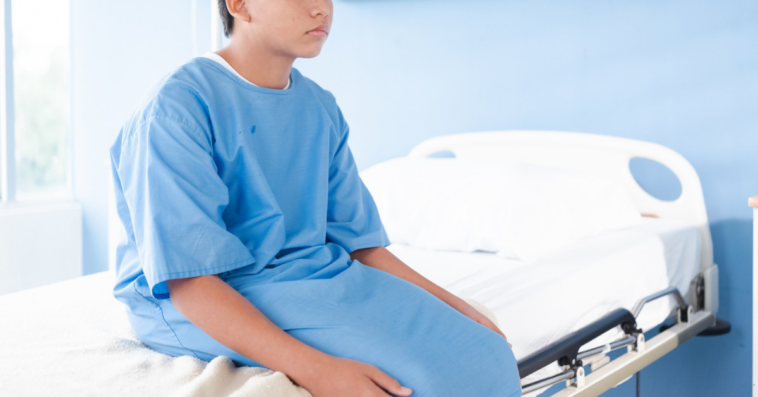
(297,28)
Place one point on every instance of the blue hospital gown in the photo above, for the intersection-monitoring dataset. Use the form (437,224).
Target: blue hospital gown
(216,176)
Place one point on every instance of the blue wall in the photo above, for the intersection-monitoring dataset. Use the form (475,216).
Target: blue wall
(680,73)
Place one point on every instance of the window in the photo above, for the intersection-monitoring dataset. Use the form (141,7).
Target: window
(35,116)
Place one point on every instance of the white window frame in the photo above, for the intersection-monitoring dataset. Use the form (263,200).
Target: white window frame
(8,164)
(7,108)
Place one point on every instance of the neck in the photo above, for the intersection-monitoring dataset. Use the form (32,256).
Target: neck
(257,63)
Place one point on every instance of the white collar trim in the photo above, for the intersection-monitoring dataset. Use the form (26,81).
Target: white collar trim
(221,61)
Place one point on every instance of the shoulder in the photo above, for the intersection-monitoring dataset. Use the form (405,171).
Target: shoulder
(178,97)
(171,111)
(178,94)
(324,96)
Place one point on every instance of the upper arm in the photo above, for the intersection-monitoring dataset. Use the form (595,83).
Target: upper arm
(352,217)
(175,196)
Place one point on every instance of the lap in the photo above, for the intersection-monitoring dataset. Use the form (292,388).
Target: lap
(368,315)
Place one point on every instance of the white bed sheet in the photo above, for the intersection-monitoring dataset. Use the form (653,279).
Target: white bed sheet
(538,303)
(73,338)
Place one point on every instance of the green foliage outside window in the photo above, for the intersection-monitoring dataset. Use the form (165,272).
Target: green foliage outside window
(41,79)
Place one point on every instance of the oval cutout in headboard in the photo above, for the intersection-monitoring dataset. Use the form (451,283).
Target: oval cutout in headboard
(445,154)
(656,179)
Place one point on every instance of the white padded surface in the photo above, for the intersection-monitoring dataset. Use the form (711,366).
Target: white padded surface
(73,338)
(539,302)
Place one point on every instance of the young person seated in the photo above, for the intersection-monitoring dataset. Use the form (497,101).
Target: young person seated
(249,233)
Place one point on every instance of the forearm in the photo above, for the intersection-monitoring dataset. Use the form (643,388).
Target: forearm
(229,318)
(381,258)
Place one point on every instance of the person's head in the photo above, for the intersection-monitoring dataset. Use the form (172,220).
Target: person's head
(296,28)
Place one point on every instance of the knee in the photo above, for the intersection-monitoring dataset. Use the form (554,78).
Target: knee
(488,369)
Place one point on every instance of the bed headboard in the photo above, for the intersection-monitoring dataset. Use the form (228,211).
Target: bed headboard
(597,154)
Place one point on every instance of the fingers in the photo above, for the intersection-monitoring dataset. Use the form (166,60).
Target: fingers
(506,338)
(387,382)
(494,327)
(372,391)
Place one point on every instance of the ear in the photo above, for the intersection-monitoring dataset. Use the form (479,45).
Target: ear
(238,9)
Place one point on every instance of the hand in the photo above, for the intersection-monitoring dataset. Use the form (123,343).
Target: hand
(480,318)
(340,377)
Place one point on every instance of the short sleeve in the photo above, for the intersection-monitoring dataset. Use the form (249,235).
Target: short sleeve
(352,217)
(175,199)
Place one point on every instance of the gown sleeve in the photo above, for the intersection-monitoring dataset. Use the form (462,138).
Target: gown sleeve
(176,199)
(352,217)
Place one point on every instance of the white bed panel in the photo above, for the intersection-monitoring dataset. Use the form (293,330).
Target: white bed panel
(603,155)
(599,154)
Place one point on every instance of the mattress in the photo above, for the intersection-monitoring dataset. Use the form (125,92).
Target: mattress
(539,302)
(73,338)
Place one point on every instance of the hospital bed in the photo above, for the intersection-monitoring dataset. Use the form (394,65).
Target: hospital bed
(597,296)
(563,313)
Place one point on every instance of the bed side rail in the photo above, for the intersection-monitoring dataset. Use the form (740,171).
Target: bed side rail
(566,349)
(688,323)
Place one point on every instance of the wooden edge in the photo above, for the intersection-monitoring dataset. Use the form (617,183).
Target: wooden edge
(753,201)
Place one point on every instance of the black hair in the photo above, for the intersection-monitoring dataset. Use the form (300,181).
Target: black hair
(226,17)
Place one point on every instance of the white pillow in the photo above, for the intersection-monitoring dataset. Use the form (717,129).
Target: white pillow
(513,209)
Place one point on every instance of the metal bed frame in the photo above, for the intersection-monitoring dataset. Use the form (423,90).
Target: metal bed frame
(688,323)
